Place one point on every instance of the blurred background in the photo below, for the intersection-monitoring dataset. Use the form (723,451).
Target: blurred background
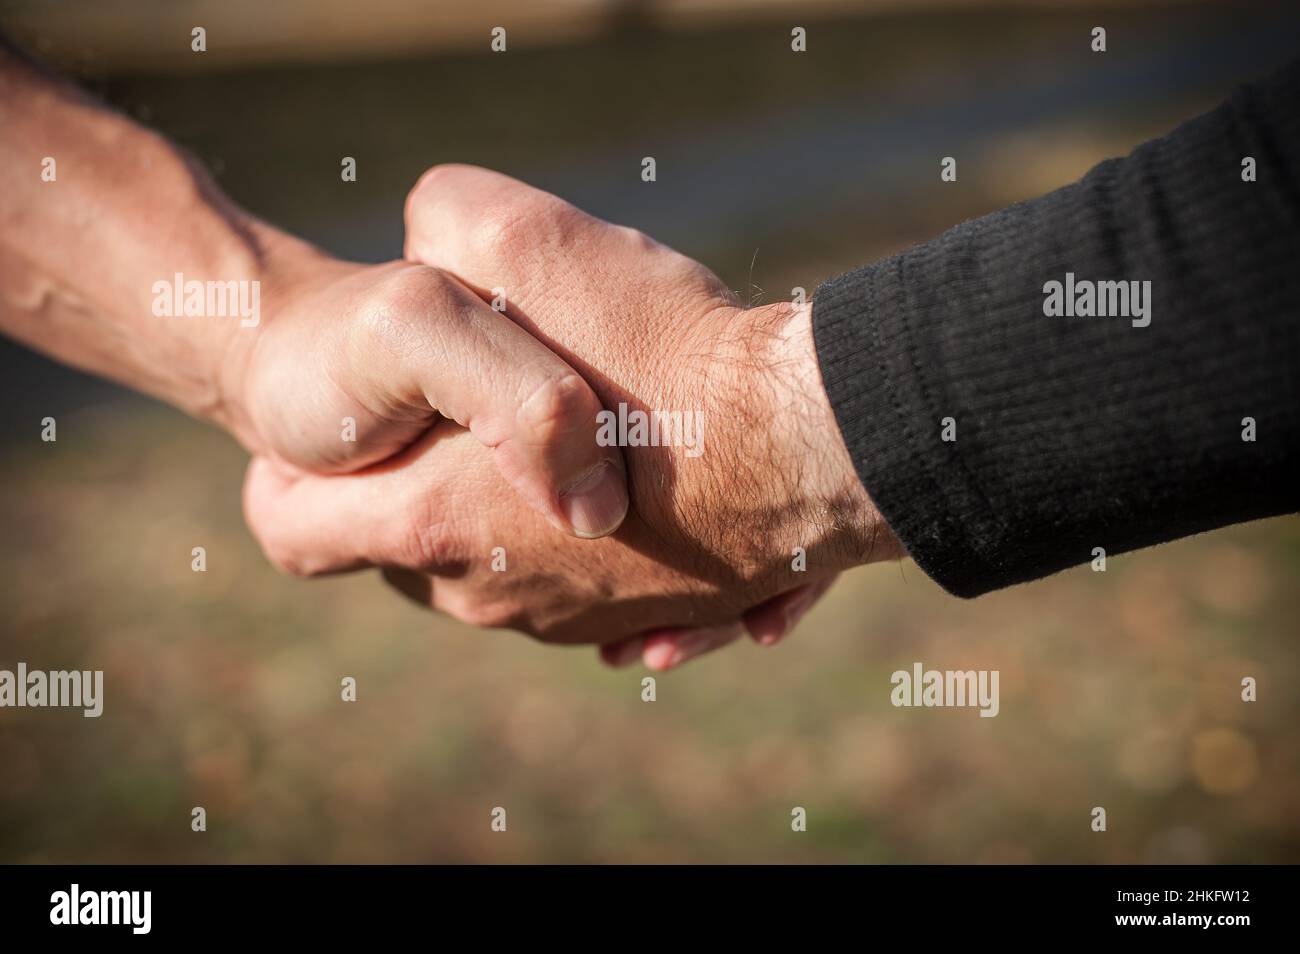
(776,169)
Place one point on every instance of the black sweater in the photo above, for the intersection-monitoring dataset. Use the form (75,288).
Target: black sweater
(1079,432)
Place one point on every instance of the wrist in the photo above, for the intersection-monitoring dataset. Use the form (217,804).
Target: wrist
(166,309)
(285,269)
(831,505)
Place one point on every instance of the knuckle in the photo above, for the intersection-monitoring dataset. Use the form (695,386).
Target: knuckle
(562,221)
(422,541)
(499,235)
(397,310)
(557,408)
(434,183)
(408,289)
(528,226)
(442,206)
(637,240)
(492,222)
(418,546)
(420,211)
(429,183)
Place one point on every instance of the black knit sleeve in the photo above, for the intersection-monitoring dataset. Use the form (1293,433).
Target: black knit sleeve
(1073,430)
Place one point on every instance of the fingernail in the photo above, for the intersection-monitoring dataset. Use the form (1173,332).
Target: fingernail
(766,629)
(660,656)
(596,503)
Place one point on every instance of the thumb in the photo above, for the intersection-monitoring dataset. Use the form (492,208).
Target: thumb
(434,341)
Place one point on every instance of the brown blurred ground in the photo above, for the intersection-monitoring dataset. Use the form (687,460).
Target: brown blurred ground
(1118,689)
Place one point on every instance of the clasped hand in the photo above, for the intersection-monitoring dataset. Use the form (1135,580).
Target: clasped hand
(473,374)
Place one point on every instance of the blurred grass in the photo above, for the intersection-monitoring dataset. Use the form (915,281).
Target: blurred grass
(222,689)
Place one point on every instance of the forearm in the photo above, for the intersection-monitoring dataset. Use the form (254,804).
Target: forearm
(84,247)
(1002,443)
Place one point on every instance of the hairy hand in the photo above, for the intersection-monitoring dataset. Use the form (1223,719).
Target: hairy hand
(715,526)
(355,363)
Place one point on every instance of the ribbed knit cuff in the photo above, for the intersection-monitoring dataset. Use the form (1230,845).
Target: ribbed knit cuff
(866,346)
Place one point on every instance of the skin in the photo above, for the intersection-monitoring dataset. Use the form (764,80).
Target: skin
(709,542)
(474,428)
(395,347)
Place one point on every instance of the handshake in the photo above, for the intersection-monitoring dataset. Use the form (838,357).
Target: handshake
(510,424)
